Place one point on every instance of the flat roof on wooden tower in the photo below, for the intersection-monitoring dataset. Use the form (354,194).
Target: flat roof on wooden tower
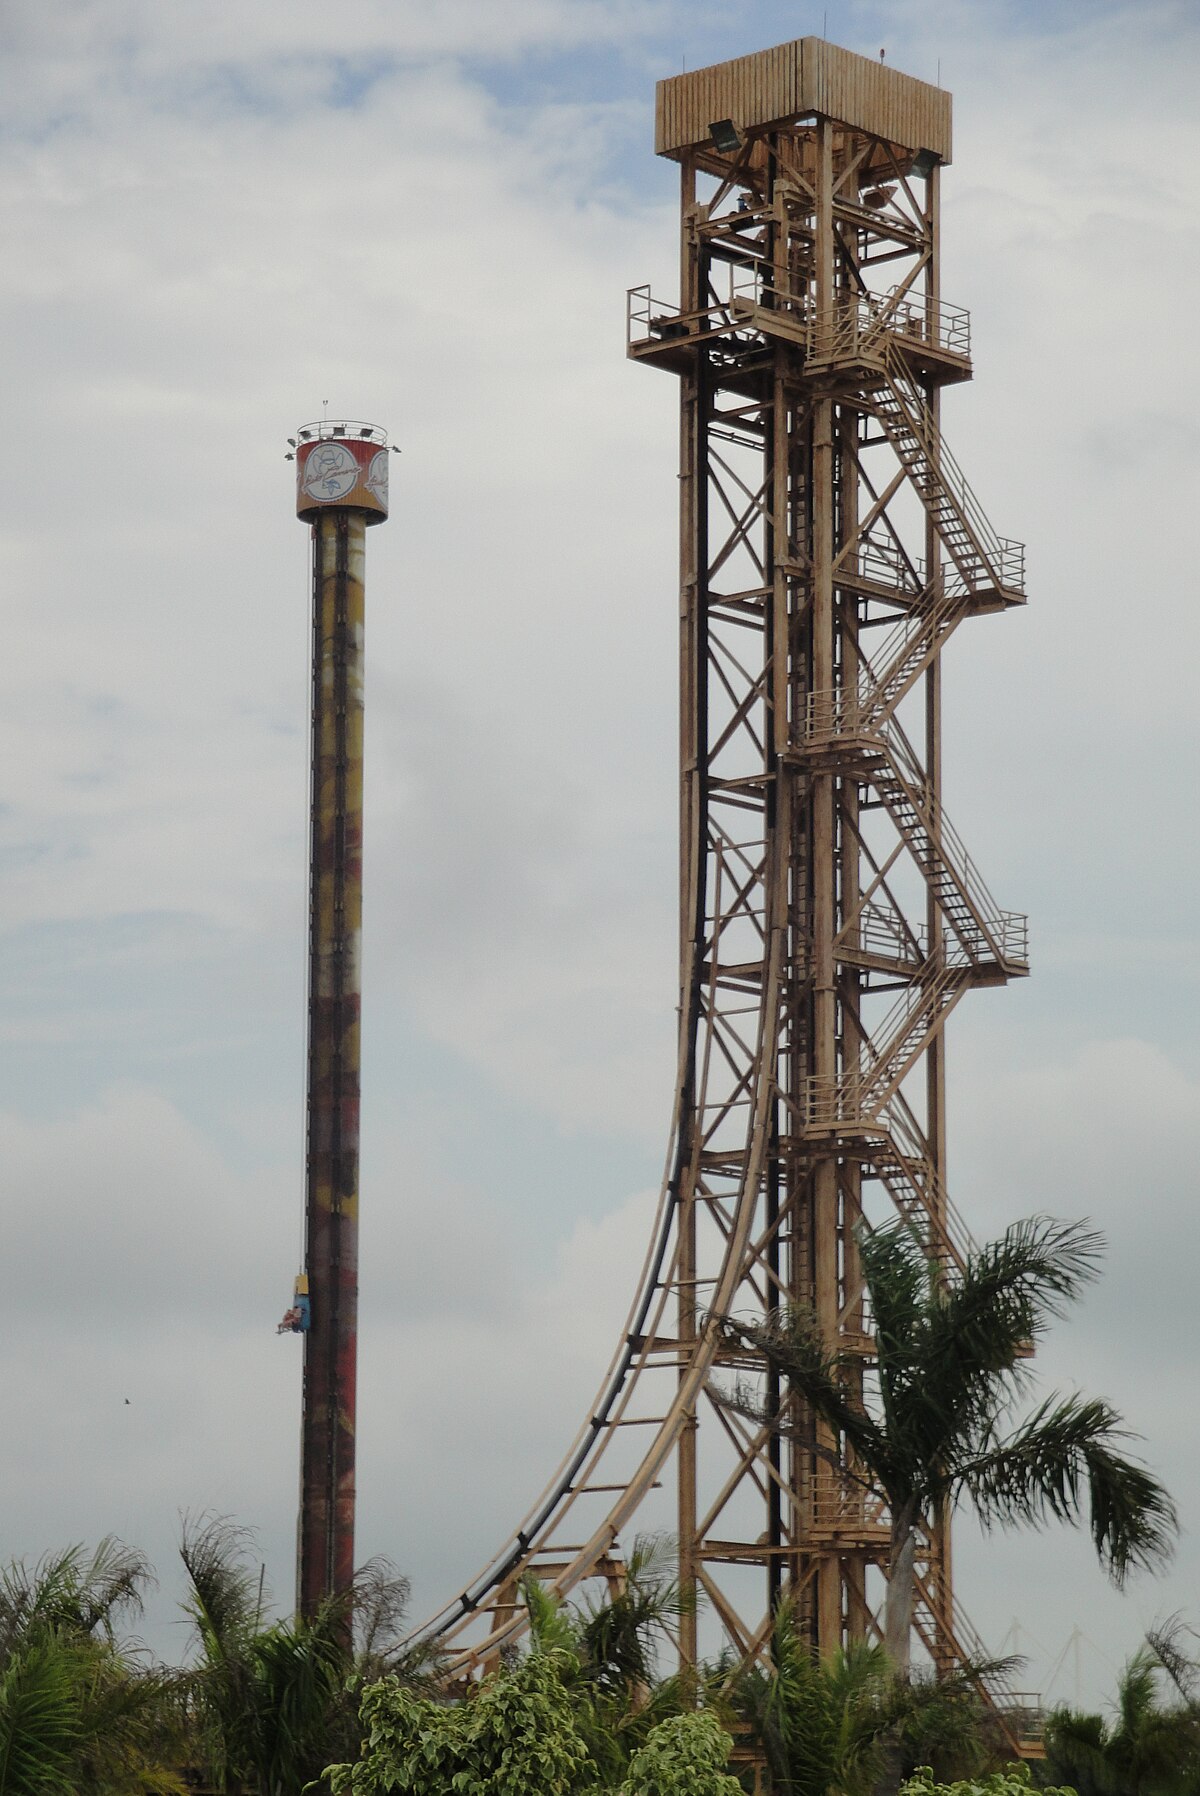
(807,75)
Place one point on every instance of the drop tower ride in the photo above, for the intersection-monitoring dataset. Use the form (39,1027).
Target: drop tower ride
(341,488)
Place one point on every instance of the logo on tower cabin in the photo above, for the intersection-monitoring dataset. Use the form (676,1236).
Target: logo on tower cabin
(377,477)
(330,472)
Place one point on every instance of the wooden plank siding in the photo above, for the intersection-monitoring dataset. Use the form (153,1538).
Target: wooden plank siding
(807,75)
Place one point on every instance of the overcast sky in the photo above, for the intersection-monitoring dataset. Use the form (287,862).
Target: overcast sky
(217,216)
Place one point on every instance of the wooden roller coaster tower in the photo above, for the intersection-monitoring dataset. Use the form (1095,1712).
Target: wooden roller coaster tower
(830,916)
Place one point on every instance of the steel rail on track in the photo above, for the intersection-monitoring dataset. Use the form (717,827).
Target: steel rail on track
(558,1494)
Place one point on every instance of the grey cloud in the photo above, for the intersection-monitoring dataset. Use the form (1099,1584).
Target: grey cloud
(187,282)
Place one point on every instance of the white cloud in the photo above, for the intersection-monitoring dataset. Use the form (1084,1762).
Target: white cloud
(88,52)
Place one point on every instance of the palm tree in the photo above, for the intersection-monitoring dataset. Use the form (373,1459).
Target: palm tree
(839,1724)
(1148,1747)
(273,1702)
(619,1634)
(816,1724)
(949,1353)
(80,1713)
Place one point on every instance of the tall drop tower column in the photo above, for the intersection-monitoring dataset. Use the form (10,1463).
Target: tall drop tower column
(341,487)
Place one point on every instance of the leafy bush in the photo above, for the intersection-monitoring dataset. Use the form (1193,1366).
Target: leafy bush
(515,1737)
(1014,1780)
(683,1756)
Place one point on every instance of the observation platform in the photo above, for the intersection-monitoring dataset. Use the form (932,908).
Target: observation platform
(933,342)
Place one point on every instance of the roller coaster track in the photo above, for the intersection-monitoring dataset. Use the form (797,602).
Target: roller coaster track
(814,982)
(735,1084)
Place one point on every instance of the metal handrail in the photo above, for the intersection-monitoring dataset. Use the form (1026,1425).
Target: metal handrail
(836,712)
(834,1099)
(859,324)
(906,1138)
(747,286)
(849,708)
(324,430)
(648,319)
(1012,927)
(882,929)
(855,325)
(1004,556)
(872,553)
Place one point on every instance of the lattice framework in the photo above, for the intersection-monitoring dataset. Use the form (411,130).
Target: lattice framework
(830,916)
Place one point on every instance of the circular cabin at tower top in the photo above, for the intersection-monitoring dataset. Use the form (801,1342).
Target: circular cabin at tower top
(341,464)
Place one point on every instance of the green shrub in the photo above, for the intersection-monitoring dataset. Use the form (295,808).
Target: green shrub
(683,1756)
(1014,1780)
(516,1736)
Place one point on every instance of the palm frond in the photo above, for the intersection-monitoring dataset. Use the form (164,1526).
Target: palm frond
(788,1710)
(1148,1746)
(381,1596)
(940,1721)
(551,1627)
(898,1274)
(791,1343)
(1077,1747)
(131,1727)
(224,1600)
(39,1719)
(112,1586)
(1137,1694)
(924,1399)
(619,1633)
(1165,1641)
(42,1591)
(824,1725)
(69,1590)
(304,1711)
(970,1345)
(1064,1453)
(1011,1289)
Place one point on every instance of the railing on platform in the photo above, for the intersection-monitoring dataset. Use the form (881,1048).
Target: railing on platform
(857,326)
(880,929)
(649,319)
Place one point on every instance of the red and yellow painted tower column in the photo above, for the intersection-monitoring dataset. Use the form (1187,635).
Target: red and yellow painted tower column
(341,487)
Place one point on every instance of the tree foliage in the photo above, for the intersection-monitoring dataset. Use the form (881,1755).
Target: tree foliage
(685,1755)
(271,1703)
(80,1713)
(519,1734)
(1149,1746)
(608,1656)
(950,1372)
(516,1736)
(583,1709)
(1013,1780)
